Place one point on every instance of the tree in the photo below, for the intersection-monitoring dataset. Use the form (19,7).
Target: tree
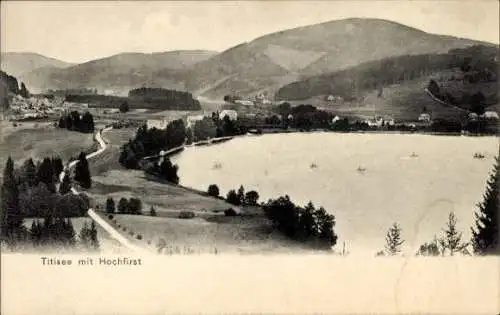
(134,206)
(213,190)
(110,205)
(251,198)
(24,91)
(123,205)
(29,172)
(233,198)
(65,186)
(82,172)
(94,241)
(451,241)
(485,234)
(124,107)
(12,228)
(152,211)
(429,249)
(58,166)
(393,240)
(45,174)
(477,103)
(168,171)
(241,194)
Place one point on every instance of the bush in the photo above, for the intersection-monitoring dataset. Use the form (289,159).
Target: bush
(131,233)
(149,242)
(139,236)
(110,217)
(186,215)
(213,190)
(14,124)
(124,229)
(230,212)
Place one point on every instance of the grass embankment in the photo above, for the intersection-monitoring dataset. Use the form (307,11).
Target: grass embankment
(38,140)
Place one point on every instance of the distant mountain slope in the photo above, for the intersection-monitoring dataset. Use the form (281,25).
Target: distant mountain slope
(396,85)
(19,63)
(122,72)
(313,50)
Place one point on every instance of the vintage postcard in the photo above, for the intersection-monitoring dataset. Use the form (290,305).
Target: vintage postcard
(237,157)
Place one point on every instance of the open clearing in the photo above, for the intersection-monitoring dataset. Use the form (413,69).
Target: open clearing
(218,234)
(38,140)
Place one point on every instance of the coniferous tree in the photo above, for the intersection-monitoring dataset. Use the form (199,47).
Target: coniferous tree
(110,205)
(82,172)
(84,236)
(65,186)
(485,234)
(452,239)
(12,229)
(24,91)
(69,234)
(393,240)
(152,211)
(241,194)
(58,166)
(36,233)
(123,205)
(45,174)
(29,172)
(94,241)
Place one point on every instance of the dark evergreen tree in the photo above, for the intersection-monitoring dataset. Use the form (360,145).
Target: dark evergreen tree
(168,171)
(24,91)
(84,236)
(123,205)
(65,186)
(82,172)
(251,198)
(124,107)
(12,229)
(93,240)
(58,166)
(110,205)
(134,206)
(45,174)
(241,195)
(213,190)
(232,198)
(29,172)
(393,240)
(451,241)
(36,233)
(485,233)
(152,211)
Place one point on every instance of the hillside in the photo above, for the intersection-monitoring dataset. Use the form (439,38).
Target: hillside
(19,63)
(401,82)
(119,72)
(271,61)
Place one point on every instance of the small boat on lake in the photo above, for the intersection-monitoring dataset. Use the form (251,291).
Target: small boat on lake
(414,155)
(361,169)
(313,165)
(217,166)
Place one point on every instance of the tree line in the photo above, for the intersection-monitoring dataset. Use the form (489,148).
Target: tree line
(484,240)
(77,122)
(32,191)
(9,84)
(125,206)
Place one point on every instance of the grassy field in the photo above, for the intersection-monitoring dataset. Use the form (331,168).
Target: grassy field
(38,140)
(138,114)
(214,234)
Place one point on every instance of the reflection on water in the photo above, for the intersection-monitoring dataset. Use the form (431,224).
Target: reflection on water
(418,193)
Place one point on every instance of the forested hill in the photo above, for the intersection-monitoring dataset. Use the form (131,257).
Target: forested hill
(473,65)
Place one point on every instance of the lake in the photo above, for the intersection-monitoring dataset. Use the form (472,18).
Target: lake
(416,192)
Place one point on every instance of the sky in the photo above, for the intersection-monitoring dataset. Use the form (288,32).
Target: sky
(78,31)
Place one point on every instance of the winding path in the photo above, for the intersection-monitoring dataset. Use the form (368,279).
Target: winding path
(92,214)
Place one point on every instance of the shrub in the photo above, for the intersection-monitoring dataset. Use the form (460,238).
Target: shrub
(124,229)
(230,212)
(186,215)
(213,190)
(110,217)
(14,124)
(131,233)
(149,242)
(139,236)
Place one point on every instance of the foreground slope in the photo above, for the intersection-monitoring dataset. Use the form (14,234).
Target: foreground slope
(283,57)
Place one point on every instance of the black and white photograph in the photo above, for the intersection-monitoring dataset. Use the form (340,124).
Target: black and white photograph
(312,135)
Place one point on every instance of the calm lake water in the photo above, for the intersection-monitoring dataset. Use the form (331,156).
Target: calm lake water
(417,192)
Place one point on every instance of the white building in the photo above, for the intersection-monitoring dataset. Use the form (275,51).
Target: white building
(335,119)
(490,115)
(424,117)
(232,114)
(243,102)
(191,120)
(157,123)
(473,116)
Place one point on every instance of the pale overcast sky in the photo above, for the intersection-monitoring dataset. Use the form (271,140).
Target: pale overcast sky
(79,31)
